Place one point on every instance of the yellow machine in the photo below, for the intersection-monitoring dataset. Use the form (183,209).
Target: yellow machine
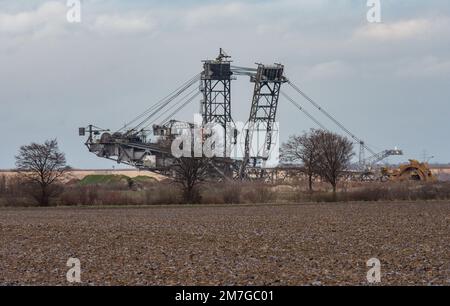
(414,171)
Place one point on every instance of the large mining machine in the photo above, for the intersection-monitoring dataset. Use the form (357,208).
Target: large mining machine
(413,171)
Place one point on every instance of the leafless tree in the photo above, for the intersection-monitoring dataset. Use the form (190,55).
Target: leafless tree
(335,153)
(302,148)
(41,167)
(189,173)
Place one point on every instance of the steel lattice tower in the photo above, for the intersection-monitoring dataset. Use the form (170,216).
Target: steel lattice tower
(268,80)
(216,87)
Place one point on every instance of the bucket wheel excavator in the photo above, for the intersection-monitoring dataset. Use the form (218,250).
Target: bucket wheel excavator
(144,142)
(413,171)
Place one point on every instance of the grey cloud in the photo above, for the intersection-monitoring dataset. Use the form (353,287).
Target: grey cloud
(378,79)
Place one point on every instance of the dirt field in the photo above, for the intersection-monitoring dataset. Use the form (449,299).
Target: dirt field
(319,244)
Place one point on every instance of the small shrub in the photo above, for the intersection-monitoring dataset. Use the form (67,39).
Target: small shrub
(258,193)
(80,195)
(297,195)
(231,193)
(370,193)
(323,197)
(162,194)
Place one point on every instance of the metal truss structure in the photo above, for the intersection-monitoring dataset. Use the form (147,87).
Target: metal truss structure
(216,88)
(268,80)
(145,141)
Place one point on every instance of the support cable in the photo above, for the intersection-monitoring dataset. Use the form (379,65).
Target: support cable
(164,100)
(304,111)
(361,142)
(170,108)
(162,106)
(180,108)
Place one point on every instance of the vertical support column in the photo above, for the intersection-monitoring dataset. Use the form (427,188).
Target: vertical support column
(216,104)
(268,80)
(362,157)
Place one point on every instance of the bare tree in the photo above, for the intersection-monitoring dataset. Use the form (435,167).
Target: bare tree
(189,173)
(41,166)
(304,149)
(335,153)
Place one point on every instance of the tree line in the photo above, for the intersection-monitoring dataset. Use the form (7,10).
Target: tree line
(42,167)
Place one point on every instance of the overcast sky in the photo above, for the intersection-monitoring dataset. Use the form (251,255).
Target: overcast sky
(389,83)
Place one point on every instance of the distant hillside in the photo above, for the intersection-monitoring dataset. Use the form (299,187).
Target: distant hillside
(80,174)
